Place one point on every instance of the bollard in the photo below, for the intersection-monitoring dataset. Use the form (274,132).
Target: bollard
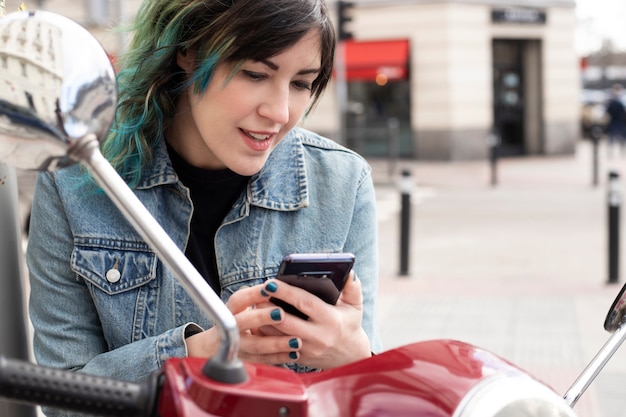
(493,142)
(614,200)
(394,147)
(596,134)
(406,185)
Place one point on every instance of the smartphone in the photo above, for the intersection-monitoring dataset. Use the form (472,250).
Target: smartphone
(322,274)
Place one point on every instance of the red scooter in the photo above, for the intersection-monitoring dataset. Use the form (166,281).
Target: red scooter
(49,128)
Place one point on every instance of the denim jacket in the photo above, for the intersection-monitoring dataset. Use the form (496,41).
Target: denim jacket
(102,302)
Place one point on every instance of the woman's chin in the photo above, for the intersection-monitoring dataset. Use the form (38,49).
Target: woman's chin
(248,166)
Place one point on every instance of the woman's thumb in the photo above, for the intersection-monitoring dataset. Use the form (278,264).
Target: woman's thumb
(351,293)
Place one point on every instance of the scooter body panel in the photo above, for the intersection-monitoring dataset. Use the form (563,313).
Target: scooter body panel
(426,379)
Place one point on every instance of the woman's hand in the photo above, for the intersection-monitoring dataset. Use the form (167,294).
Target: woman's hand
(254,345)
(332,336)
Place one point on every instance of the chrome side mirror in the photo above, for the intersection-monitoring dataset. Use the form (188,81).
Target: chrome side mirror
(58,97)
(56,86)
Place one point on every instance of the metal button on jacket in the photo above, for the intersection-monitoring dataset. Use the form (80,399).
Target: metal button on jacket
(113,275)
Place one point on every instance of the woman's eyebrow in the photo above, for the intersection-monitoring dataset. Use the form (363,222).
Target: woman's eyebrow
(275,67)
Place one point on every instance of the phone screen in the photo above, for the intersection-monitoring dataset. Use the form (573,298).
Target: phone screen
(322,274)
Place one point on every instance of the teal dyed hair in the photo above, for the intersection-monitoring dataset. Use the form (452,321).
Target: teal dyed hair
(218,32)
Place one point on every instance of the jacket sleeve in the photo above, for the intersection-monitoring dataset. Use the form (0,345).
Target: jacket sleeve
(363,242)
(67,329)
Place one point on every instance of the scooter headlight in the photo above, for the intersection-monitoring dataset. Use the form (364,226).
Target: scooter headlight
(512,396)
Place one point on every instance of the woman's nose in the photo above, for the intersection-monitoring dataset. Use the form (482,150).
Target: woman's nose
(276,107)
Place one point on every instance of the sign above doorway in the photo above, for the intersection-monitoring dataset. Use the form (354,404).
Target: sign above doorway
(519,15)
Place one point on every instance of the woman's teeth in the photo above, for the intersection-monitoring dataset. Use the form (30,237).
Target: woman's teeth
(256,136)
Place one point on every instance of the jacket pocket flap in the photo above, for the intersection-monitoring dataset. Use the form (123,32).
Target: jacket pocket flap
(114,267)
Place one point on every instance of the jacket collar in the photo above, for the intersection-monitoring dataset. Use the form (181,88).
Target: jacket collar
(280,185)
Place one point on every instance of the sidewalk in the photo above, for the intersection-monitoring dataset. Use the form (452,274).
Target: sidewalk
(519,268)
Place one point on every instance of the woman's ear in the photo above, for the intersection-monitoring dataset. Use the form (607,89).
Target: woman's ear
(186,59)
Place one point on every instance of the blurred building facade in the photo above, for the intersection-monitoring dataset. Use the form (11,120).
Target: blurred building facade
(432,79)
(604,68)
(472,67)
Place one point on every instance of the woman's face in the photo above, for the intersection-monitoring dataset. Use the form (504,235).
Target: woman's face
(237,122)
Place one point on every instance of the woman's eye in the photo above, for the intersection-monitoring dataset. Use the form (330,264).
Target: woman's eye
(259,76)
(303,85)
(256,76)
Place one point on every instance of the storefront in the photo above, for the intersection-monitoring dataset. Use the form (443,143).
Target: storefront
(378,111)
(434,79)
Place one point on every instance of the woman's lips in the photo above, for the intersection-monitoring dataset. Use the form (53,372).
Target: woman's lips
(256,141)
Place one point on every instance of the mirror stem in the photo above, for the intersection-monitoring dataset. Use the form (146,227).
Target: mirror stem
(228,368)
(595,366)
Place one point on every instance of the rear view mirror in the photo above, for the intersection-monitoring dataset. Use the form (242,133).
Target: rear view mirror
(57,85)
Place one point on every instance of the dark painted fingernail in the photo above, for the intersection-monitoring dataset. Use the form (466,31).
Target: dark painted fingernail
(294,343)
(275,314)
(293,355)
(271,286)
(263,293)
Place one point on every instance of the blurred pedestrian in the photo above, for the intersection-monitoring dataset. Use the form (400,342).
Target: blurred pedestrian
(616,129)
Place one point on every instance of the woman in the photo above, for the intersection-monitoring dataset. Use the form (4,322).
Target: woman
(211,93)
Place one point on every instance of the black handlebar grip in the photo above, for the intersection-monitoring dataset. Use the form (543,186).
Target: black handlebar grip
(25,382)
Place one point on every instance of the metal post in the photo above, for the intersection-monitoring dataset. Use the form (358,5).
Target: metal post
(394,146)
(406,185)
(13,324)
(493,142)
(614,201)
(596,133)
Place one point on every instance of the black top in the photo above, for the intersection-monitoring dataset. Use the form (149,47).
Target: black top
(213,193)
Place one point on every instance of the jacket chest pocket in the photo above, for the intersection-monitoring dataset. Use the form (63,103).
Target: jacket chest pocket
(116,267)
